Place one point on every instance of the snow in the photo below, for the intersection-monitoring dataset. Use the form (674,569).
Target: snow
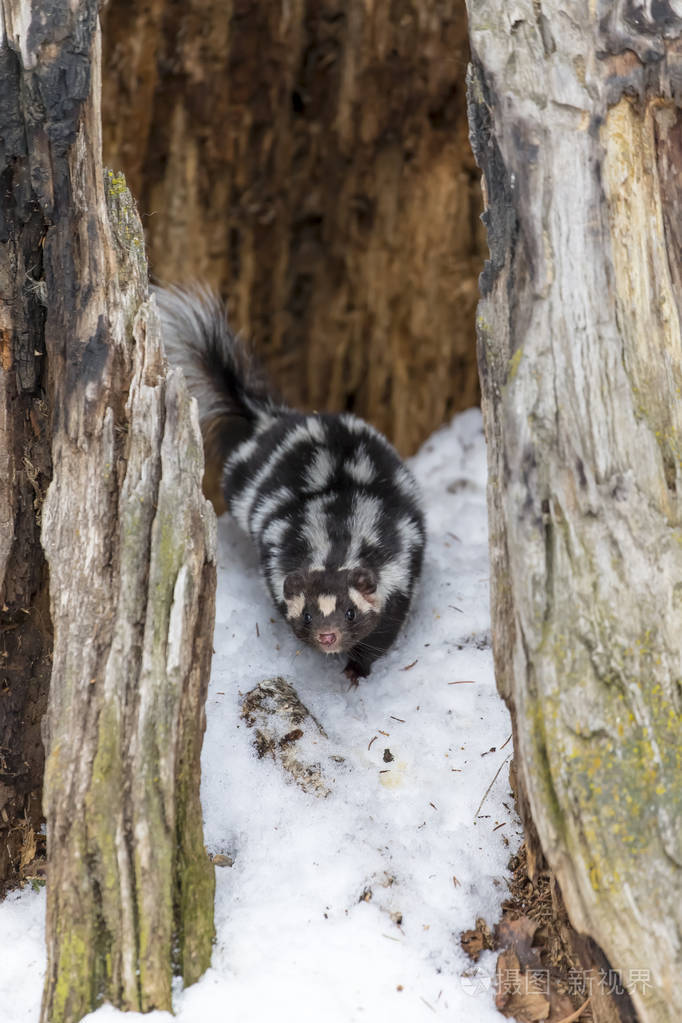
(22,956)
(349,907)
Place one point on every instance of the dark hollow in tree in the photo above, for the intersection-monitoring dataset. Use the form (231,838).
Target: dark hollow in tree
(310,161)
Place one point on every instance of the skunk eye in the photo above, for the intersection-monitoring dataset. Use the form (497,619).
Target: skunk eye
(307,617)
(350,614)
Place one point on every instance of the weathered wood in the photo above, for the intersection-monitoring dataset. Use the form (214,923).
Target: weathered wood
(310,160)
(25,468)
(130,545)
(575,120)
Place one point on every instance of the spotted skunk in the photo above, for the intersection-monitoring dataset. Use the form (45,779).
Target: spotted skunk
(333,512)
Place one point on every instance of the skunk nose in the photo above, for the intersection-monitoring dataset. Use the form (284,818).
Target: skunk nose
(327,638)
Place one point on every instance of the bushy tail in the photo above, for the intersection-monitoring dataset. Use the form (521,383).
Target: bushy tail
(229,386)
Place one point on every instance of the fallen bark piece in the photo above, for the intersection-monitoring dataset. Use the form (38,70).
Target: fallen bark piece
(284,729)
(474,942)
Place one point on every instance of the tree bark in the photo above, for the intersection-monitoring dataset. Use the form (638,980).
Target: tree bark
(128,537)
(575,121)
(310,160)
(25,469)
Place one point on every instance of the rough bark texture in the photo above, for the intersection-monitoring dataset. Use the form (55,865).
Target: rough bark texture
(25,468)
(129,541)
(310,160)
(575,121)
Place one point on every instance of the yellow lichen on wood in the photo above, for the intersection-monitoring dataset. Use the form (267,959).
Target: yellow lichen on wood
(645,301)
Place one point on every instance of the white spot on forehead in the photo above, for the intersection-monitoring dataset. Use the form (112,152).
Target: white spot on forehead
(327,603)
(295,606)
(362,602)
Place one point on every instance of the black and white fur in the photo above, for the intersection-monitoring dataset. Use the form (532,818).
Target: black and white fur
(334,513)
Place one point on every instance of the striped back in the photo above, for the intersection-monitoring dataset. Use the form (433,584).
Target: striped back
(323,493)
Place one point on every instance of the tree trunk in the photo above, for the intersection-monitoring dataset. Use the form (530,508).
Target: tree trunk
(310,160)
(575,120)
(129,541)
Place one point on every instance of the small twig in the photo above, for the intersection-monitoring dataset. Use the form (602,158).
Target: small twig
(498,826)
(485,794)
(463,682)
(257,631)
(372,740)
(575,1015)
(408,666)
(505,743)
(401,720)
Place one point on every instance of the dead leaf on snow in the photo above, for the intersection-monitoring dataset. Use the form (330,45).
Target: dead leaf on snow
(476,941)
(519,992)
(518,934)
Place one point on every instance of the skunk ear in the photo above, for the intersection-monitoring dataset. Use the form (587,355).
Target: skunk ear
(362,579)
(294,584)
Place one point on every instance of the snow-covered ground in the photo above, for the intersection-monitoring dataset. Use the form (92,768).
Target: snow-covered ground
(347,908)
